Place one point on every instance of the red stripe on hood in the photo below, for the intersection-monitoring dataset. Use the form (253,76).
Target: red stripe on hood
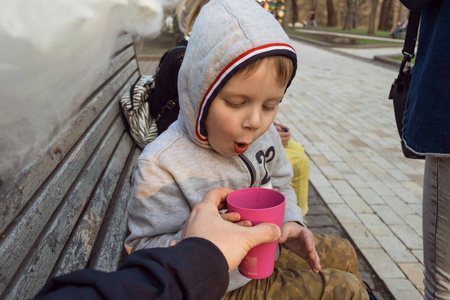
(199,136)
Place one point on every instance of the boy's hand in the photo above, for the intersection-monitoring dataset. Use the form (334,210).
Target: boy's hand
(300,240)
(285,137)
(233,239)
(284,133)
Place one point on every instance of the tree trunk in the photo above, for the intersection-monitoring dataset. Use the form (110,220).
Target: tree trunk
(287,17)
(338,13)
(386,15)
(373,13)
(294,12)
(355,13)
(402,13)
(349,15)
(390,19)
(332,20)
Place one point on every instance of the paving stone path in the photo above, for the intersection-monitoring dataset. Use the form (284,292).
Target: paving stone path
(337,108)
(320,219)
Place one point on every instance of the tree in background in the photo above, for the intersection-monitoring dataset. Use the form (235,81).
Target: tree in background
(346,14)
(356,7)
(288,14)
(401,12)
(292,7)
(313,5)
(348,24)
(373,13)
(332,20)
(386,15)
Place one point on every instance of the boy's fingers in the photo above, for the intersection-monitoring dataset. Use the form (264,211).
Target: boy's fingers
(314,264)
(231,217)
(314,261)
(244,223)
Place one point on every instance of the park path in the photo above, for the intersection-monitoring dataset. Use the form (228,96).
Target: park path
(337,108)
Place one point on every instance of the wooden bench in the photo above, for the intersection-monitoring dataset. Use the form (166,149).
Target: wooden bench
(67,209)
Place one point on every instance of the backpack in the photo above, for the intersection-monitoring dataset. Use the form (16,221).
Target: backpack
(151,104)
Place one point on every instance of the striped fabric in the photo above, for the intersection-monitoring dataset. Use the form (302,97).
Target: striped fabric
(136,112)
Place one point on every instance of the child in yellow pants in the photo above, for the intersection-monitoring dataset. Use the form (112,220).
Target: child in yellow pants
(300,165)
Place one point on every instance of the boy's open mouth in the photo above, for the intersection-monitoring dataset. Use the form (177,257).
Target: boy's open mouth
(240,147)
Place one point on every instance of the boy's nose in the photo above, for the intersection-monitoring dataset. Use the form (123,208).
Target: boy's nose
(253,119)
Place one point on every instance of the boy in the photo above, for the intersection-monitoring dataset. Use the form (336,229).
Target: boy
(235,72)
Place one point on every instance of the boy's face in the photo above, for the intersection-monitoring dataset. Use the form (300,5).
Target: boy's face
(243,110)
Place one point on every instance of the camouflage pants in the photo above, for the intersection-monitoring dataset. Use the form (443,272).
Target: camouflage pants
(293,279)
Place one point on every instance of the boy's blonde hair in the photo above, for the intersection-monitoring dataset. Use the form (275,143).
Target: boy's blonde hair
(283,68)
(192,7)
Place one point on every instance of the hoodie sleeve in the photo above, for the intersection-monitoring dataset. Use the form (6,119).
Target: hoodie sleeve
(157,209)
(193,269)
(281,177)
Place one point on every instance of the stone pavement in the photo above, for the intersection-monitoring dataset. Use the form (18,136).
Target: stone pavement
(337,108)
(321,220)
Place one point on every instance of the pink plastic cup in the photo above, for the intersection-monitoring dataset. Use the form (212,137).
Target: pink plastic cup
(258,205)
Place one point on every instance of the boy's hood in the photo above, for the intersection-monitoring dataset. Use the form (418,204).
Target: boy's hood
(227,35)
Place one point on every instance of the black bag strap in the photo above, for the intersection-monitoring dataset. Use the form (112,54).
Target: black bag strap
(411,35)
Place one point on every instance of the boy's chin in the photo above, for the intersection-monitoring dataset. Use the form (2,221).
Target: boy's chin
(229,154)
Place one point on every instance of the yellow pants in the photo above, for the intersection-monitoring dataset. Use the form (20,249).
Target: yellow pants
(300,165)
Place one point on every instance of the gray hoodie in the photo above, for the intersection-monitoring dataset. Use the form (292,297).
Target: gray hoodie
(175,171)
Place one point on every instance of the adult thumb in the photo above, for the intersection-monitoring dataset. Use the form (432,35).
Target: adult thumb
(264,233)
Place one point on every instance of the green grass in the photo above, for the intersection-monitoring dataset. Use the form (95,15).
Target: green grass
(400,58)
(348,41)
(378,33)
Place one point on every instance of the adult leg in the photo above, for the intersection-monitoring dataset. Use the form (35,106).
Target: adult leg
(395,32)
(436,227)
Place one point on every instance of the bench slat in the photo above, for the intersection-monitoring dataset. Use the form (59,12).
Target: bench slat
(21,189)
(116,64)
(122,42)
(78,249)
(15,245)
(110,248)
(40,261)
(67,208)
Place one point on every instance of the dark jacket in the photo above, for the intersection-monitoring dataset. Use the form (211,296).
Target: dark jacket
(427,117)
(193,269)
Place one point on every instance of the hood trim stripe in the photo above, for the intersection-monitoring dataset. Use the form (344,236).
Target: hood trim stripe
(234,66)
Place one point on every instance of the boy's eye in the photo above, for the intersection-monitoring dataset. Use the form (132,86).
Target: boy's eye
(234,105)
(269,108)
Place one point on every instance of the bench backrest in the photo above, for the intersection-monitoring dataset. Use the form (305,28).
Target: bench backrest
(67,209)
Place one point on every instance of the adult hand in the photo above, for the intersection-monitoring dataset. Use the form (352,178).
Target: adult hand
(284,133)
(232,239)
(300,240)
